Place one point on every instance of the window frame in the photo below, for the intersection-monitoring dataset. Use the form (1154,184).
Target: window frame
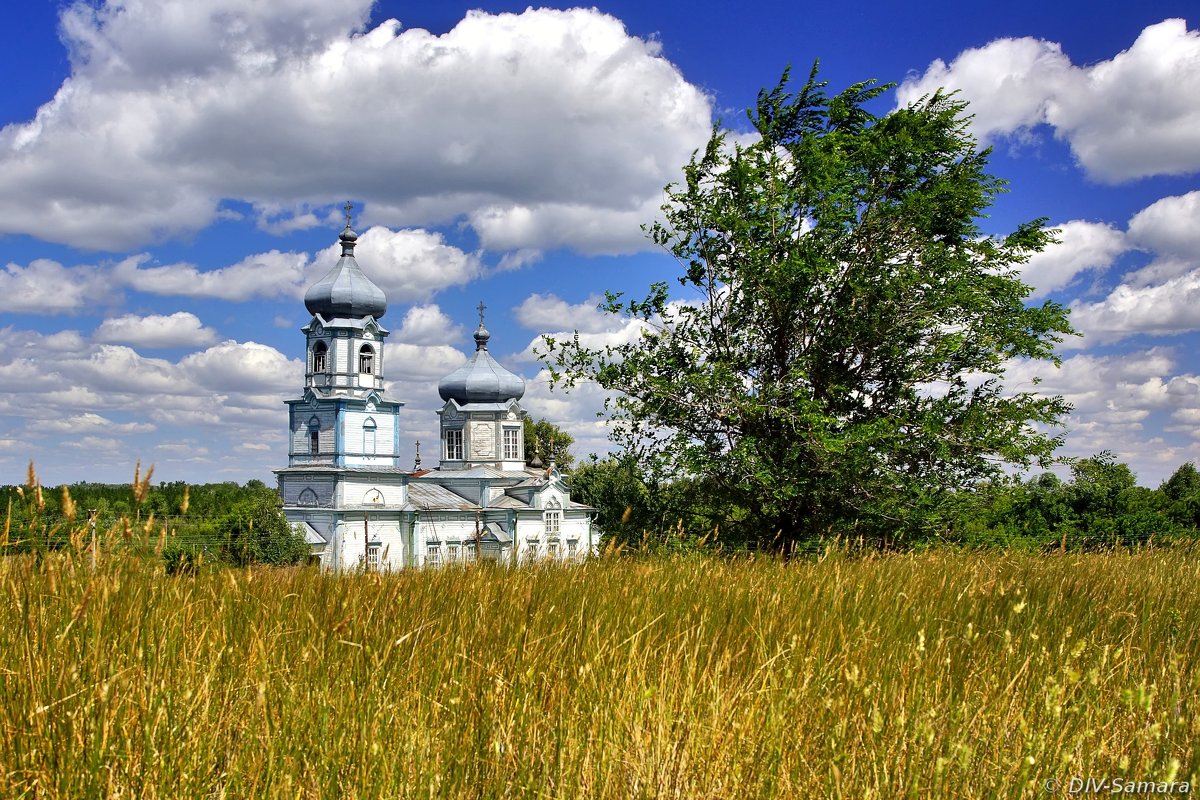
(370,443)
(512,444)
(453,449)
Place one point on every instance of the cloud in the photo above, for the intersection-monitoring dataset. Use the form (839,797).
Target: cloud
(1131,116)
(268,275)
(243,367)
(1123,403)
(1159,298)
(181,329)
(47,287)
(427,325)
(1082,247)
(1166,308)
(94,443)
(523,124)
(563,321)
(592,231)
(575,411)
(550,312)
(1170,228)
(89,423)
(409,265)
(408,363)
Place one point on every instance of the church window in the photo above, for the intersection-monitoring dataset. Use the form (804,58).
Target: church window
(366,359)
(307,498)
(314,441)
(433,554)
(320,354)
(372,556)
(453,550)
(572,545)
(553,517)
(552,548)
(454,445)
(369,437)
(512,444)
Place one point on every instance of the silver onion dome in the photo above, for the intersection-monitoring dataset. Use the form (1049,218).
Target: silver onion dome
(346,291)
(482,379)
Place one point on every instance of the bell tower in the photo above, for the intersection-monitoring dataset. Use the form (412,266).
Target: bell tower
(482,420)
(342,417)
(344,484)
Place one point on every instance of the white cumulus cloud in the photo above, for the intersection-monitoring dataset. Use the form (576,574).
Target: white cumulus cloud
(47,287)
(271,274)
(1082,247)
(554,117)
(1130,116)
(409,265)
(181,329)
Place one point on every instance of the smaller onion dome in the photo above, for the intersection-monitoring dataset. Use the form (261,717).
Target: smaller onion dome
(482,379)
(346,291)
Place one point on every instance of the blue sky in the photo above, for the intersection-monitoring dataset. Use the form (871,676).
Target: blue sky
(174,171)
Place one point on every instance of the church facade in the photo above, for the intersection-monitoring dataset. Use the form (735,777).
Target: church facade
(344,485)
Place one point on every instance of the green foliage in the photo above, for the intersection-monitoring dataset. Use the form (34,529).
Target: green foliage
(837,363)
(257,532)
(1101,507)
(181,558)
(547,442)
(618,491)
(190,525)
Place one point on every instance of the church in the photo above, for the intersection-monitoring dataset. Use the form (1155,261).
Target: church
(358,507)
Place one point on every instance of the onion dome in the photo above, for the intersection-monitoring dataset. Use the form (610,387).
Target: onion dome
(482,379)
(346,291)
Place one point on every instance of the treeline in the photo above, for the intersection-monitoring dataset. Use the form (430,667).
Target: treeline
(187,524)
(1099,506)
(112,501)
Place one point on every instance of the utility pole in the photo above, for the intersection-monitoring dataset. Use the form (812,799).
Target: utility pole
(92,512)
(366,545)
(477,546)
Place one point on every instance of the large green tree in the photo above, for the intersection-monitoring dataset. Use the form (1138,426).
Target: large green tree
(835,360)
(546,441)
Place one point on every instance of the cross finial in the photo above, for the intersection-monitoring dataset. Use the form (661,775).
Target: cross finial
(481,307)
(349,207)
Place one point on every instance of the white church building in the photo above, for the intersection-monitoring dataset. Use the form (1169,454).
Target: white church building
(344,484)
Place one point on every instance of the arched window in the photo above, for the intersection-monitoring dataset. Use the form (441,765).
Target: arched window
(320,357)
(307,498)
(369,437)
(366,359)
(314,435)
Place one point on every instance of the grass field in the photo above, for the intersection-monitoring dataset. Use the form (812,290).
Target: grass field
(926,675)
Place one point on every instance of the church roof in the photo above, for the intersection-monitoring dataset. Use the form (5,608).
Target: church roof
(482,379)
(346,291)
(482,471)
(312,535)
(432,496)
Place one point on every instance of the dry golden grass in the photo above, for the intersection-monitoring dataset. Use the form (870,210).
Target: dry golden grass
(930,675)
